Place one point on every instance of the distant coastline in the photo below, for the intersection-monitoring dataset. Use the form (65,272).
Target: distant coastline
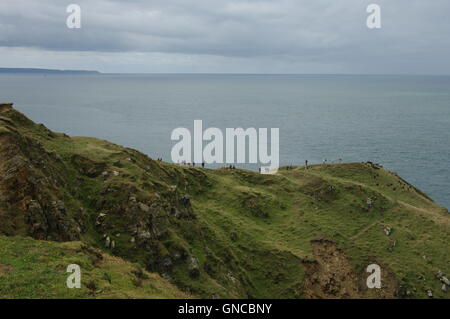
(45,71)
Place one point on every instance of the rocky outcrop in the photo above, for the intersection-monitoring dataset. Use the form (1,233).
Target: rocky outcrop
(5,107)
(332,275)
(147,220)
(32,189)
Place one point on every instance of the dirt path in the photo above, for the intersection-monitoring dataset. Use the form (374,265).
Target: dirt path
(363,230)
(435,216)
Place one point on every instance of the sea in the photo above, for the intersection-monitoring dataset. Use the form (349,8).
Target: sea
(401,122)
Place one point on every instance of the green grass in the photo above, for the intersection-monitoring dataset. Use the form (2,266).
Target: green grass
(250,233)
(37,269)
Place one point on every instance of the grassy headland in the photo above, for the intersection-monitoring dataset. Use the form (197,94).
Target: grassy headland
(302,233)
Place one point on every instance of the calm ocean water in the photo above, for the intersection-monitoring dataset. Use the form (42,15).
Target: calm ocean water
(401,122)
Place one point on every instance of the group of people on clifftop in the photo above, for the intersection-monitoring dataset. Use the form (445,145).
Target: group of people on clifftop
(184,163)
(337,161)
(325,161)
(231,167)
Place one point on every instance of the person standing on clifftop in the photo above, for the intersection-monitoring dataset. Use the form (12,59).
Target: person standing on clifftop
(306,164)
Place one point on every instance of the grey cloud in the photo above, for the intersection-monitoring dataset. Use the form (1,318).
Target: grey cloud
(414,34)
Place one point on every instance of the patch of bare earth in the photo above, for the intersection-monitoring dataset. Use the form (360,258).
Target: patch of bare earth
(4,269)
(331,275)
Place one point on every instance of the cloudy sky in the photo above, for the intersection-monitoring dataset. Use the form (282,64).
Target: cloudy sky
(228,36)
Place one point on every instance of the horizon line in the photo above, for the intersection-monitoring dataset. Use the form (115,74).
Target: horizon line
(96,72)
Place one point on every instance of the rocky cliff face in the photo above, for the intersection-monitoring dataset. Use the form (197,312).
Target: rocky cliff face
(224,233)
(32,186)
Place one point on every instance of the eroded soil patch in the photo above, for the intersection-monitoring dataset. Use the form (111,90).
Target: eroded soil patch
(4,269)
(331,275)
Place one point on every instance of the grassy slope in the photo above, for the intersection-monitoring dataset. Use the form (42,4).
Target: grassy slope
(253,232)
(37,269)
(310,212)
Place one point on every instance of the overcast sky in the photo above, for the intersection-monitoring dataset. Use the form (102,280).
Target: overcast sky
(232,36)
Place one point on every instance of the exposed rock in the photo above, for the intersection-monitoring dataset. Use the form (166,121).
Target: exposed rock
(144,207)
(232,278)
(331,275)
(193,266)
(5,107)
(388,230)
(100,219)
(144,235)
